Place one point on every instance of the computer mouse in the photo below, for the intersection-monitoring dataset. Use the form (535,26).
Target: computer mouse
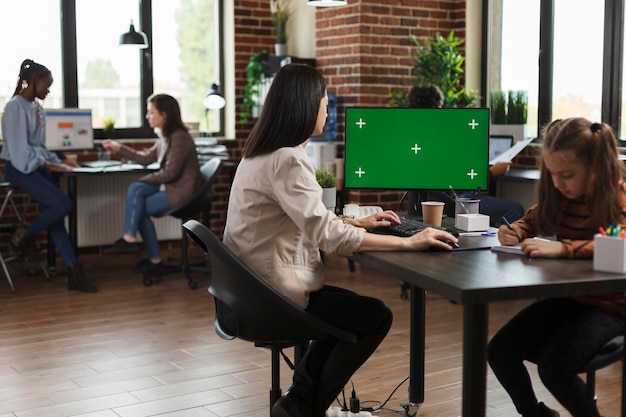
(438,248)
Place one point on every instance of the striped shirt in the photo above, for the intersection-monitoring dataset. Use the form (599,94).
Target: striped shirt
(574,230)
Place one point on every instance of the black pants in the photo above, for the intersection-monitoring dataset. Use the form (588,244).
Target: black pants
(328,365)
(560,335)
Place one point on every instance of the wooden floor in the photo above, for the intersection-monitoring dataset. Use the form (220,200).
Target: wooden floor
(131,351)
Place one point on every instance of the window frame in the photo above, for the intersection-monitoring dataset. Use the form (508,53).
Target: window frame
(70,64)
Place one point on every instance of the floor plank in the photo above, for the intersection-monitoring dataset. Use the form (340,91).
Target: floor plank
(133,351)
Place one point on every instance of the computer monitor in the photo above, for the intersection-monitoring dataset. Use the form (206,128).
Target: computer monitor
(416,149)
(68,129)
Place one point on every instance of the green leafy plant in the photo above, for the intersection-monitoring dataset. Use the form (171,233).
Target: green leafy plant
(509,107)
(498,107)
(325,178)
(255,74)
(108,127)
(517,108)
(280,15)
(439,61)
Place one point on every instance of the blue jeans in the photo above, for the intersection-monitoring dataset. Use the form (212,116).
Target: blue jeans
(55,205)
(144,200)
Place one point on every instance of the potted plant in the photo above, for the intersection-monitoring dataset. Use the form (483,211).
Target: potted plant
(514,122)
(108,127)
(328,181)
(439,61)
(255,74)
(280,15)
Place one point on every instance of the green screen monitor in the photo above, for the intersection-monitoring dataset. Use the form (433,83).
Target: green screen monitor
(417,149)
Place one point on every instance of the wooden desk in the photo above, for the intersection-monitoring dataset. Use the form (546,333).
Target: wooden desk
(473,279)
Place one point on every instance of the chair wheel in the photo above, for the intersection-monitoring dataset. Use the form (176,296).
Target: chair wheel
(192,285)
(147,281)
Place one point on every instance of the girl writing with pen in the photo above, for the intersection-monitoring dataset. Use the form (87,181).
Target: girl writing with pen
(580,170)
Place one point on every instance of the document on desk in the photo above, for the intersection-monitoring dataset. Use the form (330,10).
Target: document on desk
(508,155)
(515,249)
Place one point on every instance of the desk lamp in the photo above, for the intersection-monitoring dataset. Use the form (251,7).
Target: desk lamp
(327,3)
(132,37)
(213,100)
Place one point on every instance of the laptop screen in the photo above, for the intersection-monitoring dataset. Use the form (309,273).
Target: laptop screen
(499,145)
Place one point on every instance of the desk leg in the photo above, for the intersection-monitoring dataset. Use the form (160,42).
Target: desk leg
(417,345)
(475,359)
(624,378)
(71,193)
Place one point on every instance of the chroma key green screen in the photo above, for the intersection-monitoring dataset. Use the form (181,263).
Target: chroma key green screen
(425,149)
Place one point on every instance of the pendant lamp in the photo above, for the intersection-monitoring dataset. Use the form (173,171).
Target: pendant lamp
(327,3)
(132,37)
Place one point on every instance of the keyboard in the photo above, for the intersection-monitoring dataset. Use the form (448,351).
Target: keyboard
(408,227)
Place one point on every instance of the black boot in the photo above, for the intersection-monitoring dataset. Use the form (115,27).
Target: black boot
(23,241)
(76,280)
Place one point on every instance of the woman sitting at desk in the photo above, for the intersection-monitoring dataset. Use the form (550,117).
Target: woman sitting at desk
(581,188)
(176,180)
(30,166)
(277,224)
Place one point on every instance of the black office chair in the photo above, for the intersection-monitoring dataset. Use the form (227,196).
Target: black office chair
(247,307)
(200,202)
(611,352)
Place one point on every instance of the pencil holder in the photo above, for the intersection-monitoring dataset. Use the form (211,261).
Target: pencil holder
(609,254)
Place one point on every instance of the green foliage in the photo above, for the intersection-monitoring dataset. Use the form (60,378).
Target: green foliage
(498,107)
(398,98)
(509,108)
(108,124)
(255,73)
(101,74)
(197,43)
(517,109)
(280,15)
(438,61)
(325,178)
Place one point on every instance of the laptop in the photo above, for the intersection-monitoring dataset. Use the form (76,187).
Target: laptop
(498,144)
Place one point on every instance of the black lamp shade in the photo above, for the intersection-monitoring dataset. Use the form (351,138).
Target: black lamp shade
(132,37)
(327,3)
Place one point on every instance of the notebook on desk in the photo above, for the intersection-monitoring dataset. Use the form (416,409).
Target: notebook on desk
(101,164)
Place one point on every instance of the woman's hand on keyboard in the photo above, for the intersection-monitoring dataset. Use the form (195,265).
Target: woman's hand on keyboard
(380,219)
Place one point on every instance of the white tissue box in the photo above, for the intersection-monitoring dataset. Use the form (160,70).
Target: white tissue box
(472,222)
(609,254)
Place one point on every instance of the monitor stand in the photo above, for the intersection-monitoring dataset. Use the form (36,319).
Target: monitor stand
(415,198)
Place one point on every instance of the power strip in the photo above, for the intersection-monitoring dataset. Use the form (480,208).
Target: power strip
(336,412)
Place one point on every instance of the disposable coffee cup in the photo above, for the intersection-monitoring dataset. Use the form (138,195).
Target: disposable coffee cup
(71,158)
(465,206)
(432,212)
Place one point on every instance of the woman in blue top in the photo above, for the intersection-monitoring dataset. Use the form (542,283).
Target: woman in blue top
(29,166)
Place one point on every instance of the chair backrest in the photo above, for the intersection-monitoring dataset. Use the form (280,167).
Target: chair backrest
(201,198)
(252,310)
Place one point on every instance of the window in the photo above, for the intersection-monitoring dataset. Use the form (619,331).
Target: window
(580,44)
(92,71)
(44,46)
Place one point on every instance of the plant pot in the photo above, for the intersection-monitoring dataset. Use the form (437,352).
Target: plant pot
(280,49)
(519,132)
(329,198)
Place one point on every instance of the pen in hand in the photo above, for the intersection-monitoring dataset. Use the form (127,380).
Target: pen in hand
(508,224)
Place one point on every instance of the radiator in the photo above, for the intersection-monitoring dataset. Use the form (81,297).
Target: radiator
(100,209)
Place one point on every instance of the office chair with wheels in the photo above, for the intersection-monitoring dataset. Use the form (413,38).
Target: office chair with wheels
(19,220)
(247,307)
(200,202)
